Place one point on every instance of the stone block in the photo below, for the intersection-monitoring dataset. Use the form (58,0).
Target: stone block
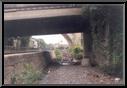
(85,62)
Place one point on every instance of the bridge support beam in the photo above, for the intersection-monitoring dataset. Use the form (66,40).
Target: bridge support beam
(88,51)
(87,45)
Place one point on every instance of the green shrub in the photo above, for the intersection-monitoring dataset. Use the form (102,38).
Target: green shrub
(76,52)
(29,75)
(58,54)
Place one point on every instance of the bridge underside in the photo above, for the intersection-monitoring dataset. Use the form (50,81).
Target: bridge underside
(51,25)
(42,26)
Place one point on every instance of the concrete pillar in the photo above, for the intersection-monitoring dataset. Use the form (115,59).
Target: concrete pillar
(87,43)
(82,44)
(18,42)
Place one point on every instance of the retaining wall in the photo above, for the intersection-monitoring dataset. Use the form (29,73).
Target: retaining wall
(13,63)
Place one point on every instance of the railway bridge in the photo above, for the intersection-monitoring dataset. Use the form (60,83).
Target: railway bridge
(42,19)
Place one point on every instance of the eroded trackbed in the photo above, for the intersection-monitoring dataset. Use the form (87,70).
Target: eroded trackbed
(76,75)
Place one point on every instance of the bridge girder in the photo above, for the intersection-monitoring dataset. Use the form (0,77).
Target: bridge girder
(42,26)
(31,14)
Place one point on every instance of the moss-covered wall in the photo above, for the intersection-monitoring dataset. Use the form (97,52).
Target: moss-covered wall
(107,33)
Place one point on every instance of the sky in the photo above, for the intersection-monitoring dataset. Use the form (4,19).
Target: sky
(52,39)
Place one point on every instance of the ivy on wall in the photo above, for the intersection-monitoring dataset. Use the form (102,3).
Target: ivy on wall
(107,34)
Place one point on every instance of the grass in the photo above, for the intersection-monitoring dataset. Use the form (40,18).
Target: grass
(28,76)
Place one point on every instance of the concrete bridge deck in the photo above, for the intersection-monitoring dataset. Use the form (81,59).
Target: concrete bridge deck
(41,13)
(27,11)
(38,19)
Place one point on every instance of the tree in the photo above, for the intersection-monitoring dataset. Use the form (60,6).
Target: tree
(25,41)
(41,43)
